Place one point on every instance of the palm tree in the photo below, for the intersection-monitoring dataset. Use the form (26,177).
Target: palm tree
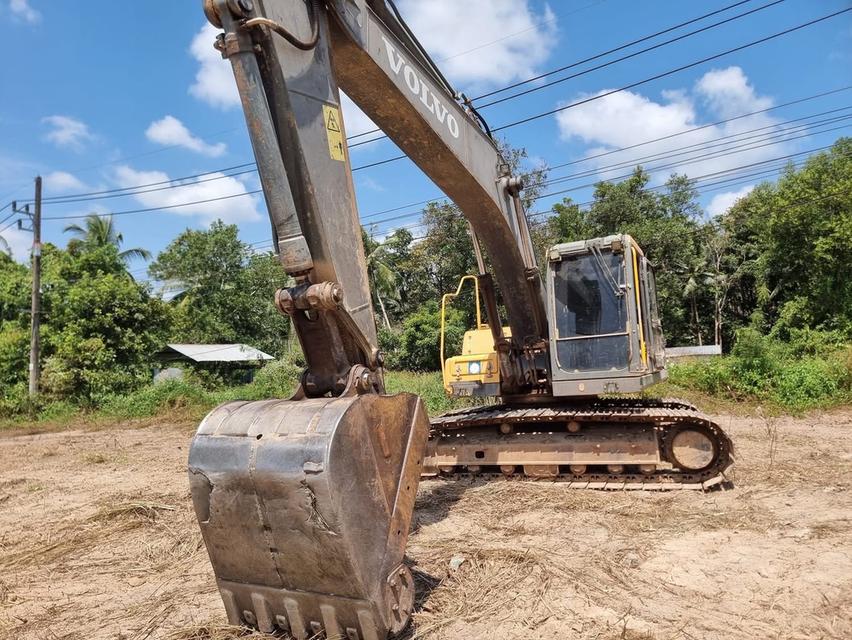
(99,231)
(381,276)
(697,278)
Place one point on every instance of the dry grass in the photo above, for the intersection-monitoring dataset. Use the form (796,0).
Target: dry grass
(74,538)
(218,631)
(511,507)
(487,585)
(5,592)
(540,561)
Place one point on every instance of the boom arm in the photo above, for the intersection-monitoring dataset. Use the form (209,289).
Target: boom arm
(289,59)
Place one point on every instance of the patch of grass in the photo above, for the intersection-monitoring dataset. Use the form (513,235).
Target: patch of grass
(166,396)
(429,387)
(777,375)
(95,457)
(146,511)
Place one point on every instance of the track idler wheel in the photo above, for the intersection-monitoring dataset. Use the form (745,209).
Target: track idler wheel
(692,449)
(305,507)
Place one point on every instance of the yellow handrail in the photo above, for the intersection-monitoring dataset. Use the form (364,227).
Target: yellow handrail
(449,296)
(643,351)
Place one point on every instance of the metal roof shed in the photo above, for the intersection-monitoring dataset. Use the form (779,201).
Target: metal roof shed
(236,353)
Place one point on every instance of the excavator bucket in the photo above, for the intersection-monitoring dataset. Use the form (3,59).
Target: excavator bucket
(305,506)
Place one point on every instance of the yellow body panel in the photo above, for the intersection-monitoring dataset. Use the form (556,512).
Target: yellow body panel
(477,347)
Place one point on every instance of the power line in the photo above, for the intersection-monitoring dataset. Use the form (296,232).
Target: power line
(671,153)
(147,184)
(579,62)
(10,215)
(81,197)
(660,139)
(713,124)
(641,82)
(71,200)
(8,226)
(56,199)
(609,51)
(715,174)
(621,59)
(782,137)
(168,207)
(149,209)
(673,71)
(725,182)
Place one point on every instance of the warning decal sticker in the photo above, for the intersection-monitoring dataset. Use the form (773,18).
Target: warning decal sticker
(331,116)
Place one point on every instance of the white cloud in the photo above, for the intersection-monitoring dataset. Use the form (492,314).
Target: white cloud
(214,80)
(728,92)
(22,10)
(67,132)
(20,242)
(211,186)
(372,185)
(62,182)
(626,118)
(483,42)
(172,132)
(724,201)
(214,84)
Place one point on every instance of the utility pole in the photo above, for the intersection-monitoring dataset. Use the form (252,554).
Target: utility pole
(35,309)
(35,338)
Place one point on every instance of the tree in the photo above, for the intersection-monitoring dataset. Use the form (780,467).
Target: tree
(420,337)
(99,327)
(100,231)
(4,246)
(792,244)
(567,224)
(225,290)
(697,276)
(382,277)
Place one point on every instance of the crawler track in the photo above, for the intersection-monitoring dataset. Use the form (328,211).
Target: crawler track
(612,439)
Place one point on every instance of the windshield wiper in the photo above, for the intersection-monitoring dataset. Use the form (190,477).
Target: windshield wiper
(604,268)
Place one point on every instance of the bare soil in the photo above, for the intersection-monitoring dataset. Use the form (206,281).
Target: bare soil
(98,540)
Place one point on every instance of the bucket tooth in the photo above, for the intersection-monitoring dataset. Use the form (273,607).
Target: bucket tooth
(305,507)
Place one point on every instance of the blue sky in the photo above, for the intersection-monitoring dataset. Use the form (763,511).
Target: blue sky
(104,95)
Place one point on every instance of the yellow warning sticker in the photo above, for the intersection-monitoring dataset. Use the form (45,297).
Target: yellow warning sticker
(334,133)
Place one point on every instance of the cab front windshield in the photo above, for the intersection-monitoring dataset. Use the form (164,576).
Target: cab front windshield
(591,312)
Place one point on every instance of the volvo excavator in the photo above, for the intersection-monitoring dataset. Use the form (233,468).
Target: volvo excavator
(305,503)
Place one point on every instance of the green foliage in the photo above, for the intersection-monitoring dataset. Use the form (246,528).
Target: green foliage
(419,341)
(99,231)
(100,326)
(15,400)
(58,411)
(791,245)
(226,292)
(754,362)
(796,376)
(382,277)
(430,388)
(14,291)
(156,398)
(14,352)
(278,379)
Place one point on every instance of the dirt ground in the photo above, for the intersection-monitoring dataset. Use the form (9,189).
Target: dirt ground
(97,540)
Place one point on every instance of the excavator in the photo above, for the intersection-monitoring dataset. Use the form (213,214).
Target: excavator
(305,503)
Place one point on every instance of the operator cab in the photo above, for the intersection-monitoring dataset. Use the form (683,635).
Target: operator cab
(605,331)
